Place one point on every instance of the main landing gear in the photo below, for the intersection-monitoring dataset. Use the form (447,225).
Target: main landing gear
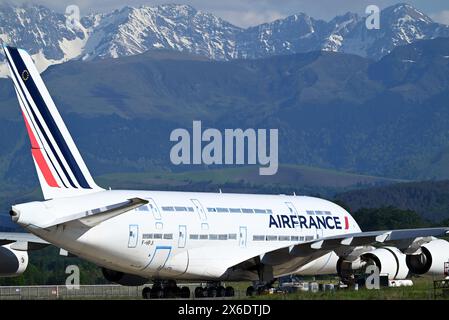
(265,283)
(165,289)
(170,290)
(214,290)
(259,288)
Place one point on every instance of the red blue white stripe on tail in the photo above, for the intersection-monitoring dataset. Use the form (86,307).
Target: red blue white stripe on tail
(61,170)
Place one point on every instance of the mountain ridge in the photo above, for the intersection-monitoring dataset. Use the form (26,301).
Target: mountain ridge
(331,109)
(134,30)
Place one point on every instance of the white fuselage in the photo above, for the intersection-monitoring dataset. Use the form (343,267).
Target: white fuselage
(184,235)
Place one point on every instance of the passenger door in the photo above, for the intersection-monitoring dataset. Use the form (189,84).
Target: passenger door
(199,209)
(159,258)
(133,235)
(154,209)
(182,236)
(242,237)
(291,208)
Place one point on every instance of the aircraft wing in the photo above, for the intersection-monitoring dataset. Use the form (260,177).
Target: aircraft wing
(22,241)
(95,216)
(293,257)
(402,239)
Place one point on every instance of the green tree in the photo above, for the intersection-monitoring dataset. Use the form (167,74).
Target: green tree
(387,218)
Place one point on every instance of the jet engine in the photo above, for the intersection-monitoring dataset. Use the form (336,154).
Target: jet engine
(431,260)
(124,279)
(389,260)
(12,262)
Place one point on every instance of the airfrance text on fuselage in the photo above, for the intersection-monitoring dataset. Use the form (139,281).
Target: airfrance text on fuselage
(305,222)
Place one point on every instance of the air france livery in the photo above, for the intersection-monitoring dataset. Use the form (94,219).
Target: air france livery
(163,237)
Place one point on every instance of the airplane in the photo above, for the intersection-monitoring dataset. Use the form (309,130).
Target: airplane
(138,236)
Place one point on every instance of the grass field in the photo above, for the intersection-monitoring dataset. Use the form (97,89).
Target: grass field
(422,289)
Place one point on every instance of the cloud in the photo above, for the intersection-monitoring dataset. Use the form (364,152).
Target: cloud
(441,17)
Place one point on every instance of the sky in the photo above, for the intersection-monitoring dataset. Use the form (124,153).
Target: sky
(246,13)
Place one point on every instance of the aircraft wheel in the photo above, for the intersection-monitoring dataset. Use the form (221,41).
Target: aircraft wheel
(146,293)
(169,293)
(156,293)
(229,292)
(212,292)
(185,292)
(250,291)
(199,292)
(221,291)
(177,292)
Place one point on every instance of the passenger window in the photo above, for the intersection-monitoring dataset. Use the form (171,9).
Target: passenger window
(235,210)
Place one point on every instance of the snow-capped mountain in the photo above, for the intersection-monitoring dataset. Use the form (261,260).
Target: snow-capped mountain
(296,33)
(42,32)
(130,31)
(399,25)
(179,27)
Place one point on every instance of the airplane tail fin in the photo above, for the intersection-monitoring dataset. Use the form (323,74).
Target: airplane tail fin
(60,168)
